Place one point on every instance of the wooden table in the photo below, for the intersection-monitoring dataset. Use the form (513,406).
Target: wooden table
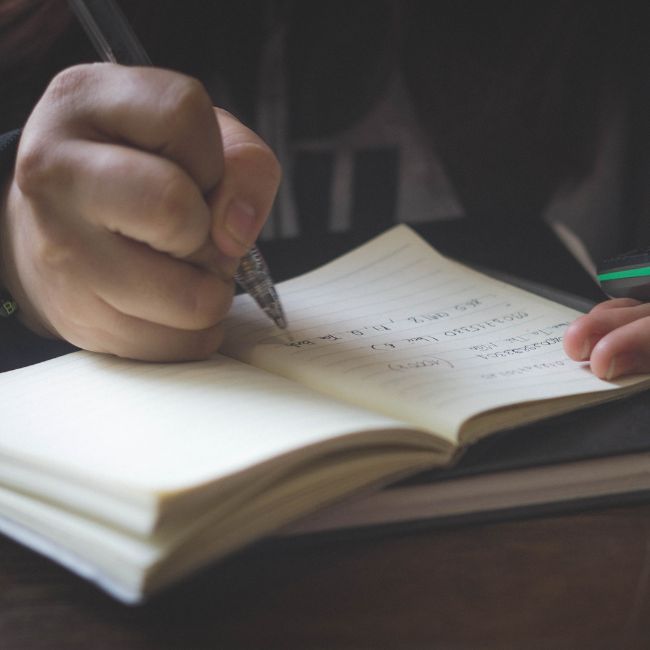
(577,581)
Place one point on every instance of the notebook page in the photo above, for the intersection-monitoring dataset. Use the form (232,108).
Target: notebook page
(143,431)
(398,328)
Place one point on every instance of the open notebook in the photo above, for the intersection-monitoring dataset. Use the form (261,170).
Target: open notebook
(135,474)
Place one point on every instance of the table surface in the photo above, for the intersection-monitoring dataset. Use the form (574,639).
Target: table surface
(573,581)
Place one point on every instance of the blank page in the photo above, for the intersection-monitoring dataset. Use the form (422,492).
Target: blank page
(142,431)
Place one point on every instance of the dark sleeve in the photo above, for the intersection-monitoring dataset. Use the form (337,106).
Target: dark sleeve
(8,145)
(19,346)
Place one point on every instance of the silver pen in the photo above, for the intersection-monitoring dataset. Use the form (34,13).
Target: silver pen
(115,41)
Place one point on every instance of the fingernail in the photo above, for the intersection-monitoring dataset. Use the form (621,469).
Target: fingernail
(587,347)
(621,364)
(241,222)
(611,370)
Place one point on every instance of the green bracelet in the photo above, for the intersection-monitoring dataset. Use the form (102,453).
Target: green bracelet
(8,306)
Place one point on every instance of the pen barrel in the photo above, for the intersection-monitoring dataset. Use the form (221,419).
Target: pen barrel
(114,40)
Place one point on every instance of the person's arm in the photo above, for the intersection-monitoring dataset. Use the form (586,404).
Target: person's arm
(131,200)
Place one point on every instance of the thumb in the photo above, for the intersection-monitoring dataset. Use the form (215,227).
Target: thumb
(243,199)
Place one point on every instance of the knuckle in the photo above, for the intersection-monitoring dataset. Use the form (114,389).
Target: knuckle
(33,167)
(70,82)
(185,100)
(37,162)
(41,171)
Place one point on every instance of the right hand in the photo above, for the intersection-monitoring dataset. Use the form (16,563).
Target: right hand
(132,201)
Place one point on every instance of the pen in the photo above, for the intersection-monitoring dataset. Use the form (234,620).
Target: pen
(115,41)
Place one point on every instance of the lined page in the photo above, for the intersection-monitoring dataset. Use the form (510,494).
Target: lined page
(398,328)
(84,426)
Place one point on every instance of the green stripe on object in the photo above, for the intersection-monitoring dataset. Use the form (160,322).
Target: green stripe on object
(629,273)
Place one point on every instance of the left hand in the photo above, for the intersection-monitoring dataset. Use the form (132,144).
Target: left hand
(614,337)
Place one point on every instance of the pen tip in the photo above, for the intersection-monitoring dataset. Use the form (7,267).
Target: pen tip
(281,322)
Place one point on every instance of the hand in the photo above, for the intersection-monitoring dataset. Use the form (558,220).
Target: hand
(131,202)
(614,337)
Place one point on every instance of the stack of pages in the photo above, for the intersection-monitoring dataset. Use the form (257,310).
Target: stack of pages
(134,474)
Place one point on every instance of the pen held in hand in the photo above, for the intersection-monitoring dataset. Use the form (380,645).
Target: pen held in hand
(253,276)
(115,41)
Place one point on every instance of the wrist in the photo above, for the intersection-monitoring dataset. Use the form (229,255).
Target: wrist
(14,302)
